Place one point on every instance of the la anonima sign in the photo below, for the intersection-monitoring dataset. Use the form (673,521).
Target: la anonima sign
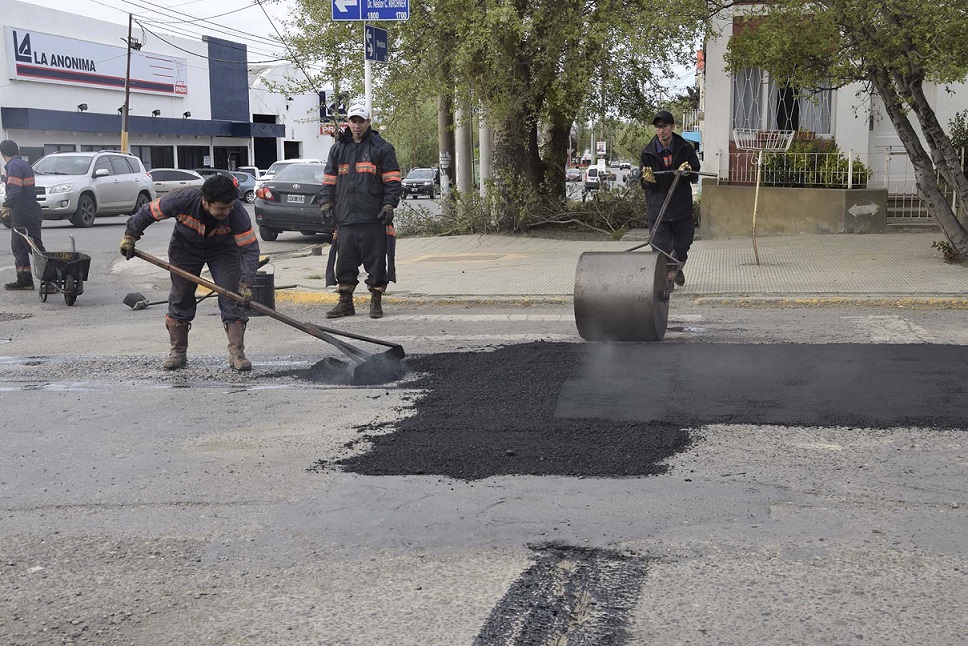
(46,58)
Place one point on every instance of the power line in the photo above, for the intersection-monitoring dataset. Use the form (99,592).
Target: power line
(209,58)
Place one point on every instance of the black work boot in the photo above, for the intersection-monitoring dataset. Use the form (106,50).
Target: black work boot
(24,282)
(345,305)
(680,278)
(178,333)
(376,304)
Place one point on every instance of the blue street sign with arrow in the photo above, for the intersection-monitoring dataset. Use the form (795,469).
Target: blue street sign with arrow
(376,44)
(371,9)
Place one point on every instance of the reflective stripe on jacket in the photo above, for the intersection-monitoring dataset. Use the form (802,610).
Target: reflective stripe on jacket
(360,178)
(191,230)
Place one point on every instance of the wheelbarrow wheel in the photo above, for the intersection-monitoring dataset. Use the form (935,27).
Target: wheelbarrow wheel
(43,292)
(70,289)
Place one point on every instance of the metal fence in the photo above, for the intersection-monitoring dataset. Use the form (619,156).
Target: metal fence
(889,168)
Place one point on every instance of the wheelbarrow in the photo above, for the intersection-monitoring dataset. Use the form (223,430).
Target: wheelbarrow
(59,271)
(623,295)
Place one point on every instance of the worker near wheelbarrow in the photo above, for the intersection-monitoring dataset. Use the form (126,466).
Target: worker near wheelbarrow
(211,228)
(361,187)
(669,151)
(20,210)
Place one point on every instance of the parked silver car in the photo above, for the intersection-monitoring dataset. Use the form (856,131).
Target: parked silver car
(171,179)
(81,186)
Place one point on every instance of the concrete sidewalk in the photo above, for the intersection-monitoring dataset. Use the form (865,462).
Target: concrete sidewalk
(495,268)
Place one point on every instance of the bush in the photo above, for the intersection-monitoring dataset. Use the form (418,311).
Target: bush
(813,163)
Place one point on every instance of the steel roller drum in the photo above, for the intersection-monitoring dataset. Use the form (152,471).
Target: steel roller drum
(621,296)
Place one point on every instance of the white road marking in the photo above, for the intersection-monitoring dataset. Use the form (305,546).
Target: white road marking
(890,329)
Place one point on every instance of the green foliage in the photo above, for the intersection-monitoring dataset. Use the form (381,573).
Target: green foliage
(816,163)
(959,130)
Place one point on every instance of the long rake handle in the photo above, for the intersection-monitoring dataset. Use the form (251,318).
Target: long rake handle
(313,330)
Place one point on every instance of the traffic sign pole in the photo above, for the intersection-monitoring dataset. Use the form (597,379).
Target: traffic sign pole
(367,74)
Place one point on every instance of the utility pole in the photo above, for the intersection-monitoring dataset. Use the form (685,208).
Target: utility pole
(127,86)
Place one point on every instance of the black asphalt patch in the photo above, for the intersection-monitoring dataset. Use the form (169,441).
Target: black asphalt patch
(571,595)
(614,410)
(493,413)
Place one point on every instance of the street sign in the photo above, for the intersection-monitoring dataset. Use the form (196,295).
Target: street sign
(371,9)
(376,44)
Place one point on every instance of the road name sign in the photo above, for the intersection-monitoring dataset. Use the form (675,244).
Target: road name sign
(371,9)
(376,44)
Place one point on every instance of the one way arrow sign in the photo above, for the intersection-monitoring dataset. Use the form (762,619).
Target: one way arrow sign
(347,9)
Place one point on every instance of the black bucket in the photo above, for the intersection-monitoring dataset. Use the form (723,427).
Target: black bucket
(264,291)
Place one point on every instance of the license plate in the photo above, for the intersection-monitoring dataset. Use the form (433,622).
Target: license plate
(296,199)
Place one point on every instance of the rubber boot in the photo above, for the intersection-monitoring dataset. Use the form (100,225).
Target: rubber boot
(178,332)
(376,304)
(24,282)
(345,305)
(236,333)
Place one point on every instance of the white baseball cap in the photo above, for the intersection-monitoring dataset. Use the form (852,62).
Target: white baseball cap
(358,110)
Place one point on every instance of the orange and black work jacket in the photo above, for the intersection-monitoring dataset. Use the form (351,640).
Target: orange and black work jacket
(198,232)
(21,188)
(360,178)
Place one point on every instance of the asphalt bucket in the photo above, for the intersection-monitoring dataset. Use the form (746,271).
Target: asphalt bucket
(264,291)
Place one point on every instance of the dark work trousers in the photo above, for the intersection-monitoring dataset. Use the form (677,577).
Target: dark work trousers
(28,219)
(364,244)
(673,236)
(225,263)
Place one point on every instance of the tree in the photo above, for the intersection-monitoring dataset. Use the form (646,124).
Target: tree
(895,48)
(534,67)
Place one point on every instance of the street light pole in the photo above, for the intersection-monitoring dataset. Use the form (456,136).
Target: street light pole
(127,91)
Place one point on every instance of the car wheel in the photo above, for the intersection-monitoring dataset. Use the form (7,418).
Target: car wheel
(249,197)
(267,234)
(143,198)
(85,213)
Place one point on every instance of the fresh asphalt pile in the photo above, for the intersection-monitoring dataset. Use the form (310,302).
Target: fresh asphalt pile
(619,410)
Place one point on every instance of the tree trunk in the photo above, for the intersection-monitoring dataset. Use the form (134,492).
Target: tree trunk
(510,167)
(557,139)
(924,170)
(945,156)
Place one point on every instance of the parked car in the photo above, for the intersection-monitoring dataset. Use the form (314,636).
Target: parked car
(615,163)
(592,179)
(208,172)
(81,186)
(625,164)
(170,179)
(246,186)
(573,175)
(279,165)
(422,181)
(251,170)
(290,202)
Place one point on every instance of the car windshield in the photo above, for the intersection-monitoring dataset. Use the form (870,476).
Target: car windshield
(421,173)
(301,173)
(63,165)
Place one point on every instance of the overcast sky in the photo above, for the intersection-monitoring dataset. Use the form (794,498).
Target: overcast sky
(237,20)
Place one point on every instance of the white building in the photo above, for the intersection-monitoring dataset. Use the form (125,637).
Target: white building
(855,119)
(191,103)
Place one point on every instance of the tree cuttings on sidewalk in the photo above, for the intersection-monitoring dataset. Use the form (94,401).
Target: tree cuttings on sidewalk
(895,48)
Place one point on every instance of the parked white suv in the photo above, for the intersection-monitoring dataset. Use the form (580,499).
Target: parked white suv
(80,186)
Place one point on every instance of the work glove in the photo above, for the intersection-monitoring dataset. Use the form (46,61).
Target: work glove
(685,166)
(245,292)
(386,214)
(127,247)
(648,175)
(6,216)
(326,213)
